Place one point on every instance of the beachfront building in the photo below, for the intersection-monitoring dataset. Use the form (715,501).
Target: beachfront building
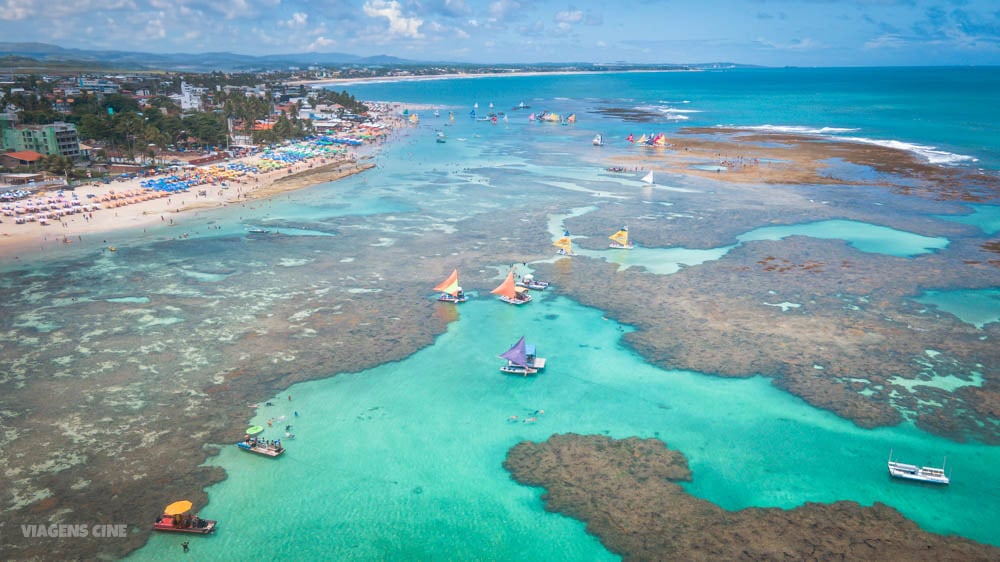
(54,139)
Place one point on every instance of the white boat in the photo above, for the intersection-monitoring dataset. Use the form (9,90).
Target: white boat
(648,178)
(598,140)
(529,282)
(619,240)
(928,474)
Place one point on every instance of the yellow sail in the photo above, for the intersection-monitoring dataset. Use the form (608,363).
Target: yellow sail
(641,139)
(449,285)
(564,244)
(661,140)
(414,118)
(621,237)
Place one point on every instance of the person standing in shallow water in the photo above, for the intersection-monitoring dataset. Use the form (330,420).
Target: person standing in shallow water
(184,545)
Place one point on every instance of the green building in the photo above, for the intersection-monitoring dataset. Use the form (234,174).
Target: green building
(56,138)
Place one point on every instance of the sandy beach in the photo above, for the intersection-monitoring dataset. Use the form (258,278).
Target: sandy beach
(23,240)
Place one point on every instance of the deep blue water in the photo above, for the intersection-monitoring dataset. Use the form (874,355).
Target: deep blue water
(952,110)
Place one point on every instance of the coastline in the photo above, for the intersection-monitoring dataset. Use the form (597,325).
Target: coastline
(391,79)
(236,382)
(20,241)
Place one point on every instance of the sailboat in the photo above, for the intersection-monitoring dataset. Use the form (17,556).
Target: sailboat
(648,178)
(437,113)
(509,292)
(440,137)
(565,245)
(521,359)
(450,290)
(598,140)
(414,118)
(619,240)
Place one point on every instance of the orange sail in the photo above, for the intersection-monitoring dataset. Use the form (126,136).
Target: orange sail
(449,285)
(507,288)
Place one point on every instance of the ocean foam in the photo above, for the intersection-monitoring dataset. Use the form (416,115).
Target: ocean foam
(931,153)
(796,129)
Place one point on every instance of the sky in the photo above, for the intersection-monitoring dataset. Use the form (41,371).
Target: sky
(761,32)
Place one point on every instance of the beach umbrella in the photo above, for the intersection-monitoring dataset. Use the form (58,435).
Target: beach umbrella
(177,508)
(254,429)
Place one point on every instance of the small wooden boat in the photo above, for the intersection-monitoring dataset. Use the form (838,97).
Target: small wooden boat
(510,293)
(521,360)
(564,245)
(450,290)
(261,447)
(176,519)
(529,282)
(619,240)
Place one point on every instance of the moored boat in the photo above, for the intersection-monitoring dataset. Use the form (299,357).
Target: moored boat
(598,140)
(521,359)
(176,519)
(619,240)
(929,474)
(251,443)
(565,245)
(529,282)
(450,290)
(510,293)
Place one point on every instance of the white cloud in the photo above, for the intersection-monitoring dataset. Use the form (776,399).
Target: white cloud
(15,10)
(502,8)
(320,43)
(298,20)
(398,24)
(569,16)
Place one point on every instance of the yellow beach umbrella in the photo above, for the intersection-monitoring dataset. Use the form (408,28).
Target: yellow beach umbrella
(177,508)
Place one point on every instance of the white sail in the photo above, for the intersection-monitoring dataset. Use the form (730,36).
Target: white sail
(648,178)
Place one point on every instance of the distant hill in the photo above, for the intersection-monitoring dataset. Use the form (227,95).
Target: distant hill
(46,55)
(41,56)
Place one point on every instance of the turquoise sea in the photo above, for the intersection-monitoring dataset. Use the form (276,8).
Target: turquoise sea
(403,461)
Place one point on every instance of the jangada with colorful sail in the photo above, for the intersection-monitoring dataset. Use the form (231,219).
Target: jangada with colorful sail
(521,359)
(450,289)
(510,293)
(565,245)
(619,240)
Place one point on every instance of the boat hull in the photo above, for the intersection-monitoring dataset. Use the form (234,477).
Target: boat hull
(263,451)
(535,285)
(508,300)
(202,527)
(449,298)
(918,473)
(620,246)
